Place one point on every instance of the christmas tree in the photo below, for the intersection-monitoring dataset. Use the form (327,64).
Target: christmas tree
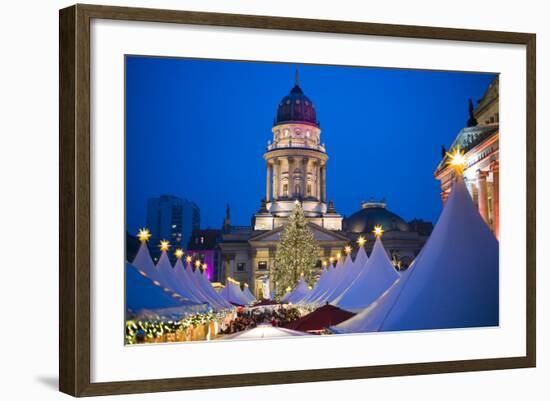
(297,253)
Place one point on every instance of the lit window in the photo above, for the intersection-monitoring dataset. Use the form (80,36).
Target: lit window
(307,133)
(262,265)
(241,266)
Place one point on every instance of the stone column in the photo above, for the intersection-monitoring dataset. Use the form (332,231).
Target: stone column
(318,180)
(268,182)
(276,178)
(324,183)
(304,176)
(496,198)
(482,195)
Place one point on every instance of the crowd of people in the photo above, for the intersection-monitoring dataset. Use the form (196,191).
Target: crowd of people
(251,317)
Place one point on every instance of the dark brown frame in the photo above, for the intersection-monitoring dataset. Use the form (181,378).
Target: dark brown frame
(74,202)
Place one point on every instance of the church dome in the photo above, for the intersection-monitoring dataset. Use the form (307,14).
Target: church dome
(296,107)
(372,214)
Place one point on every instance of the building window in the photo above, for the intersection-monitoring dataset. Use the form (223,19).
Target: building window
(241,266)
(297,190)
(262,265)
(285,190)
(308,189)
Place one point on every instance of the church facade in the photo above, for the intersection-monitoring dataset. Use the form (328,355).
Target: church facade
(480,142)
(296,162)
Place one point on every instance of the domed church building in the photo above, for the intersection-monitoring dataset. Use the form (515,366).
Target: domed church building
(296,161)
(402,240)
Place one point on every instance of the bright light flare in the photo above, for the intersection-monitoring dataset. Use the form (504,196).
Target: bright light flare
(144,234)
(457,160)
(378,231)
(164,245)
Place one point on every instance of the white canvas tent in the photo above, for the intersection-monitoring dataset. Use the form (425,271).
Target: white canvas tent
(320,286)
(233,294)
(349,273)
(453,283)
(208,291)
(142,293)
(248,295)
(377,275)
(298,293)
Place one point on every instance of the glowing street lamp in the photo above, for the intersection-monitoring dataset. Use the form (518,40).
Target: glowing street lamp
(361,241)
(179,253)
(144,235)
(457,160)
(378,231)
(164,245)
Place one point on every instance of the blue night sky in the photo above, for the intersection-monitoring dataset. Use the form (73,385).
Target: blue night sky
(201,127)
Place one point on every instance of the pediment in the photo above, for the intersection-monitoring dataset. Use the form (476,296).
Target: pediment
(320,234)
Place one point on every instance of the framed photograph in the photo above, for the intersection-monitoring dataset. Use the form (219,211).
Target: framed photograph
(250,200)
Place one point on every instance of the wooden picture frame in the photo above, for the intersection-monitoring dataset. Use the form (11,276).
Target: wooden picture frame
(74,204)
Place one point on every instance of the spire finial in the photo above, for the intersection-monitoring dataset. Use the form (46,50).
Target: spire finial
(296,77)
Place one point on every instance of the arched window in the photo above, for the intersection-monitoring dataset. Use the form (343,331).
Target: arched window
(308,189)
(285,189)
(297,189)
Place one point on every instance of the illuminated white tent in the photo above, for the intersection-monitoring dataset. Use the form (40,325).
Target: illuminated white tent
(298,293)
(185,281)
(453,283)
(320,286)
(144,263)
(233,294)
(247,294)
(168,278)
(208,291)
(376,276)
(348,274)
(143,294)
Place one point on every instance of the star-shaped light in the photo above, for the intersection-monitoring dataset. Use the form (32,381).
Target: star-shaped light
(204,266)
(338,255)
(361,241)
(197,263)
(324,263)
(144,235)
(188,259)
(347,249)
(378,231)
(164,245)
(179,253)
(457,160)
